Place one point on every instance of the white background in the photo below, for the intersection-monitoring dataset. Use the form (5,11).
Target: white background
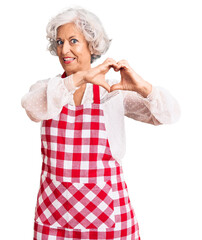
(162,42)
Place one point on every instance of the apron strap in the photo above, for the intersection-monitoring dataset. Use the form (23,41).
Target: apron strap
(64,75)
(96,93)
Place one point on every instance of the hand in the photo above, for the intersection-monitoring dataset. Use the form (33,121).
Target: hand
(96,75)
(130,80)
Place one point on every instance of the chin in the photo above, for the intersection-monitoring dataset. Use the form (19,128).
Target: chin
(70,71)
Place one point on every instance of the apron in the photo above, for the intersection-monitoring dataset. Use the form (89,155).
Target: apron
(82,192)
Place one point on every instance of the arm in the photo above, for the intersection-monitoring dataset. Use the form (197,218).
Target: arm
(46,98)
(159,107)
(144,102)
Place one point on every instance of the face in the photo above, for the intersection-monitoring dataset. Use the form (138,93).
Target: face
(72,49)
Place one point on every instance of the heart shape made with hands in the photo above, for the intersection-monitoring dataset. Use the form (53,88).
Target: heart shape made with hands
(129,78)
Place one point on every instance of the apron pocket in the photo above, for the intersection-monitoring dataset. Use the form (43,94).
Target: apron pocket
(75,205)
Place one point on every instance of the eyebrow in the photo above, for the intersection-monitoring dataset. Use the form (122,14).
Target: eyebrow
(69,37)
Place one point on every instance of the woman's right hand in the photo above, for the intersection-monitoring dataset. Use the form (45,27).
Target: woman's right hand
(95,75)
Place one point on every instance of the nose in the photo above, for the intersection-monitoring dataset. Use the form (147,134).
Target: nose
(65,47)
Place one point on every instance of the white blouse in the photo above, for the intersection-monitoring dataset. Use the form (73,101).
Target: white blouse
(46,99)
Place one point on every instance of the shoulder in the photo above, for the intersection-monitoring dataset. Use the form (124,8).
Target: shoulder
(58,75)
(43,82)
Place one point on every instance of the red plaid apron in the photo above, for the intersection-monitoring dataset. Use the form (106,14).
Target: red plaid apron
(82,192)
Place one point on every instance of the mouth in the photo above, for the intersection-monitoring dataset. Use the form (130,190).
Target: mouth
(68,60)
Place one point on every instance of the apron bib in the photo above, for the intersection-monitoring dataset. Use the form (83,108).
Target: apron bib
(82,192)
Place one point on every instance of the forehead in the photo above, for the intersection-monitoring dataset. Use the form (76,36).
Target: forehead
(67,30)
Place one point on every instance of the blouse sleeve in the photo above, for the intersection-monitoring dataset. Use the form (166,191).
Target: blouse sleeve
(46,98)
(159,107)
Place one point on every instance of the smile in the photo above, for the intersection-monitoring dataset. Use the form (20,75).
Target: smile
(68,60)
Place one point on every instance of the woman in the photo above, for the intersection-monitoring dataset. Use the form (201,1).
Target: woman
(82,192)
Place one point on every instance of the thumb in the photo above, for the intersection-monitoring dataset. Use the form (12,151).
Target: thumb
(104,84)
(117,86)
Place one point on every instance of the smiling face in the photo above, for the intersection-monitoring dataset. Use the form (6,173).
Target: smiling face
(72,49)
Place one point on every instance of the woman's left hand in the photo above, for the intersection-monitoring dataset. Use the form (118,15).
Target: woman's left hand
(130,80)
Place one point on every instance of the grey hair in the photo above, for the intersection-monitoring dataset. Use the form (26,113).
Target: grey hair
(88,23)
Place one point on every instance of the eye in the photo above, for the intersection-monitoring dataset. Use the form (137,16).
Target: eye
(59,42)
(74,40)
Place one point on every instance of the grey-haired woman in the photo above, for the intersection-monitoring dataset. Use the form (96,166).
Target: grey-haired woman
(83,194)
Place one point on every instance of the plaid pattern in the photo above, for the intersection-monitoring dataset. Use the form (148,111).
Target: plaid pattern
(76,205)
(82,192)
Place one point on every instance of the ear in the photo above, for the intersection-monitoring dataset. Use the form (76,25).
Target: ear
(94,57)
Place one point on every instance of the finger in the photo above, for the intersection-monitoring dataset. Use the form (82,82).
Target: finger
(106,66)
(100,80)
(123,64)
(111,62)
(116,86)
(104,85)
(115,66)
(120,66)
(123,61)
